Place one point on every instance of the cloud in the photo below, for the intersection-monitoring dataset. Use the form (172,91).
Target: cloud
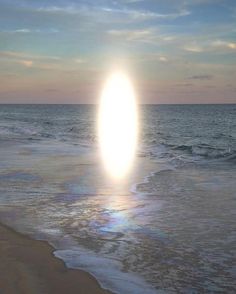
(139,15)
(102,13)
(217,46)
(132,35)
(51,90)
(134,14)
(23,55)
(224,44)
(150,35)
(185,85)
(163,58)
(193,48)
(26,63)
(232,45)
(21,31)
(80,60)
(31,60)
(29,31)
(201,77)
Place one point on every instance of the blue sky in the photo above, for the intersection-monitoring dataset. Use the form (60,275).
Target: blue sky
(62,51)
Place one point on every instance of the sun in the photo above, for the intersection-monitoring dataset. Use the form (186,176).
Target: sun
(117,125)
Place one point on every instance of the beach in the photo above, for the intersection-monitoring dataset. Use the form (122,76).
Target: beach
(28,266)
(118,146)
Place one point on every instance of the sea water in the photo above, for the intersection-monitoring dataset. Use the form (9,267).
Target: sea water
(169,227)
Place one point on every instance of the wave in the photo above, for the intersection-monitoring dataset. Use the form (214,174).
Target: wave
(119,281)
(205,150)
(178,155)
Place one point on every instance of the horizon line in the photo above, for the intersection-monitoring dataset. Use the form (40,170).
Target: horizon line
(218,103)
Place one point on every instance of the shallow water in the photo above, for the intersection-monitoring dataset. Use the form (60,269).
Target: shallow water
(169,227)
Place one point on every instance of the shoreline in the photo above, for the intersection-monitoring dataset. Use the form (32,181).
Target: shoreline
(29,266)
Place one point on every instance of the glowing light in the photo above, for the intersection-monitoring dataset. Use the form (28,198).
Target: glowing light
(118,125)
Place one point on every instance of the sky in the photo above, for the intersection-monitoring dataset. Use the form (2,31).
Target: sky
(62,51)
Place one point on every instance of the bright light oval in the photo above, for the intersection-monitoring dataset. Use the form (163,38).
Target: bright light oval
(118,125)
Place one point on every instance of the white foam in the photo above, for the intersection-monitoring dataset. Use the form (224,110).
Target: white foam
(146,179)
(106,270)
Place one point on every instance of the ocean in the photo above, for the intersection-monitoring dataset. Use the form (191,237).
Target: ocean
(169,227)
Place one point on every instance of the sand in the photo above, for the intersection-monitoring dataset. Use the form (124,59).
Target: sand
(29,266)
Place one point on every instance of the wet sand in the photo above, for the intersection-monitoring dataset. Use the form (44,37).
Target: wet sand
(29,266)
